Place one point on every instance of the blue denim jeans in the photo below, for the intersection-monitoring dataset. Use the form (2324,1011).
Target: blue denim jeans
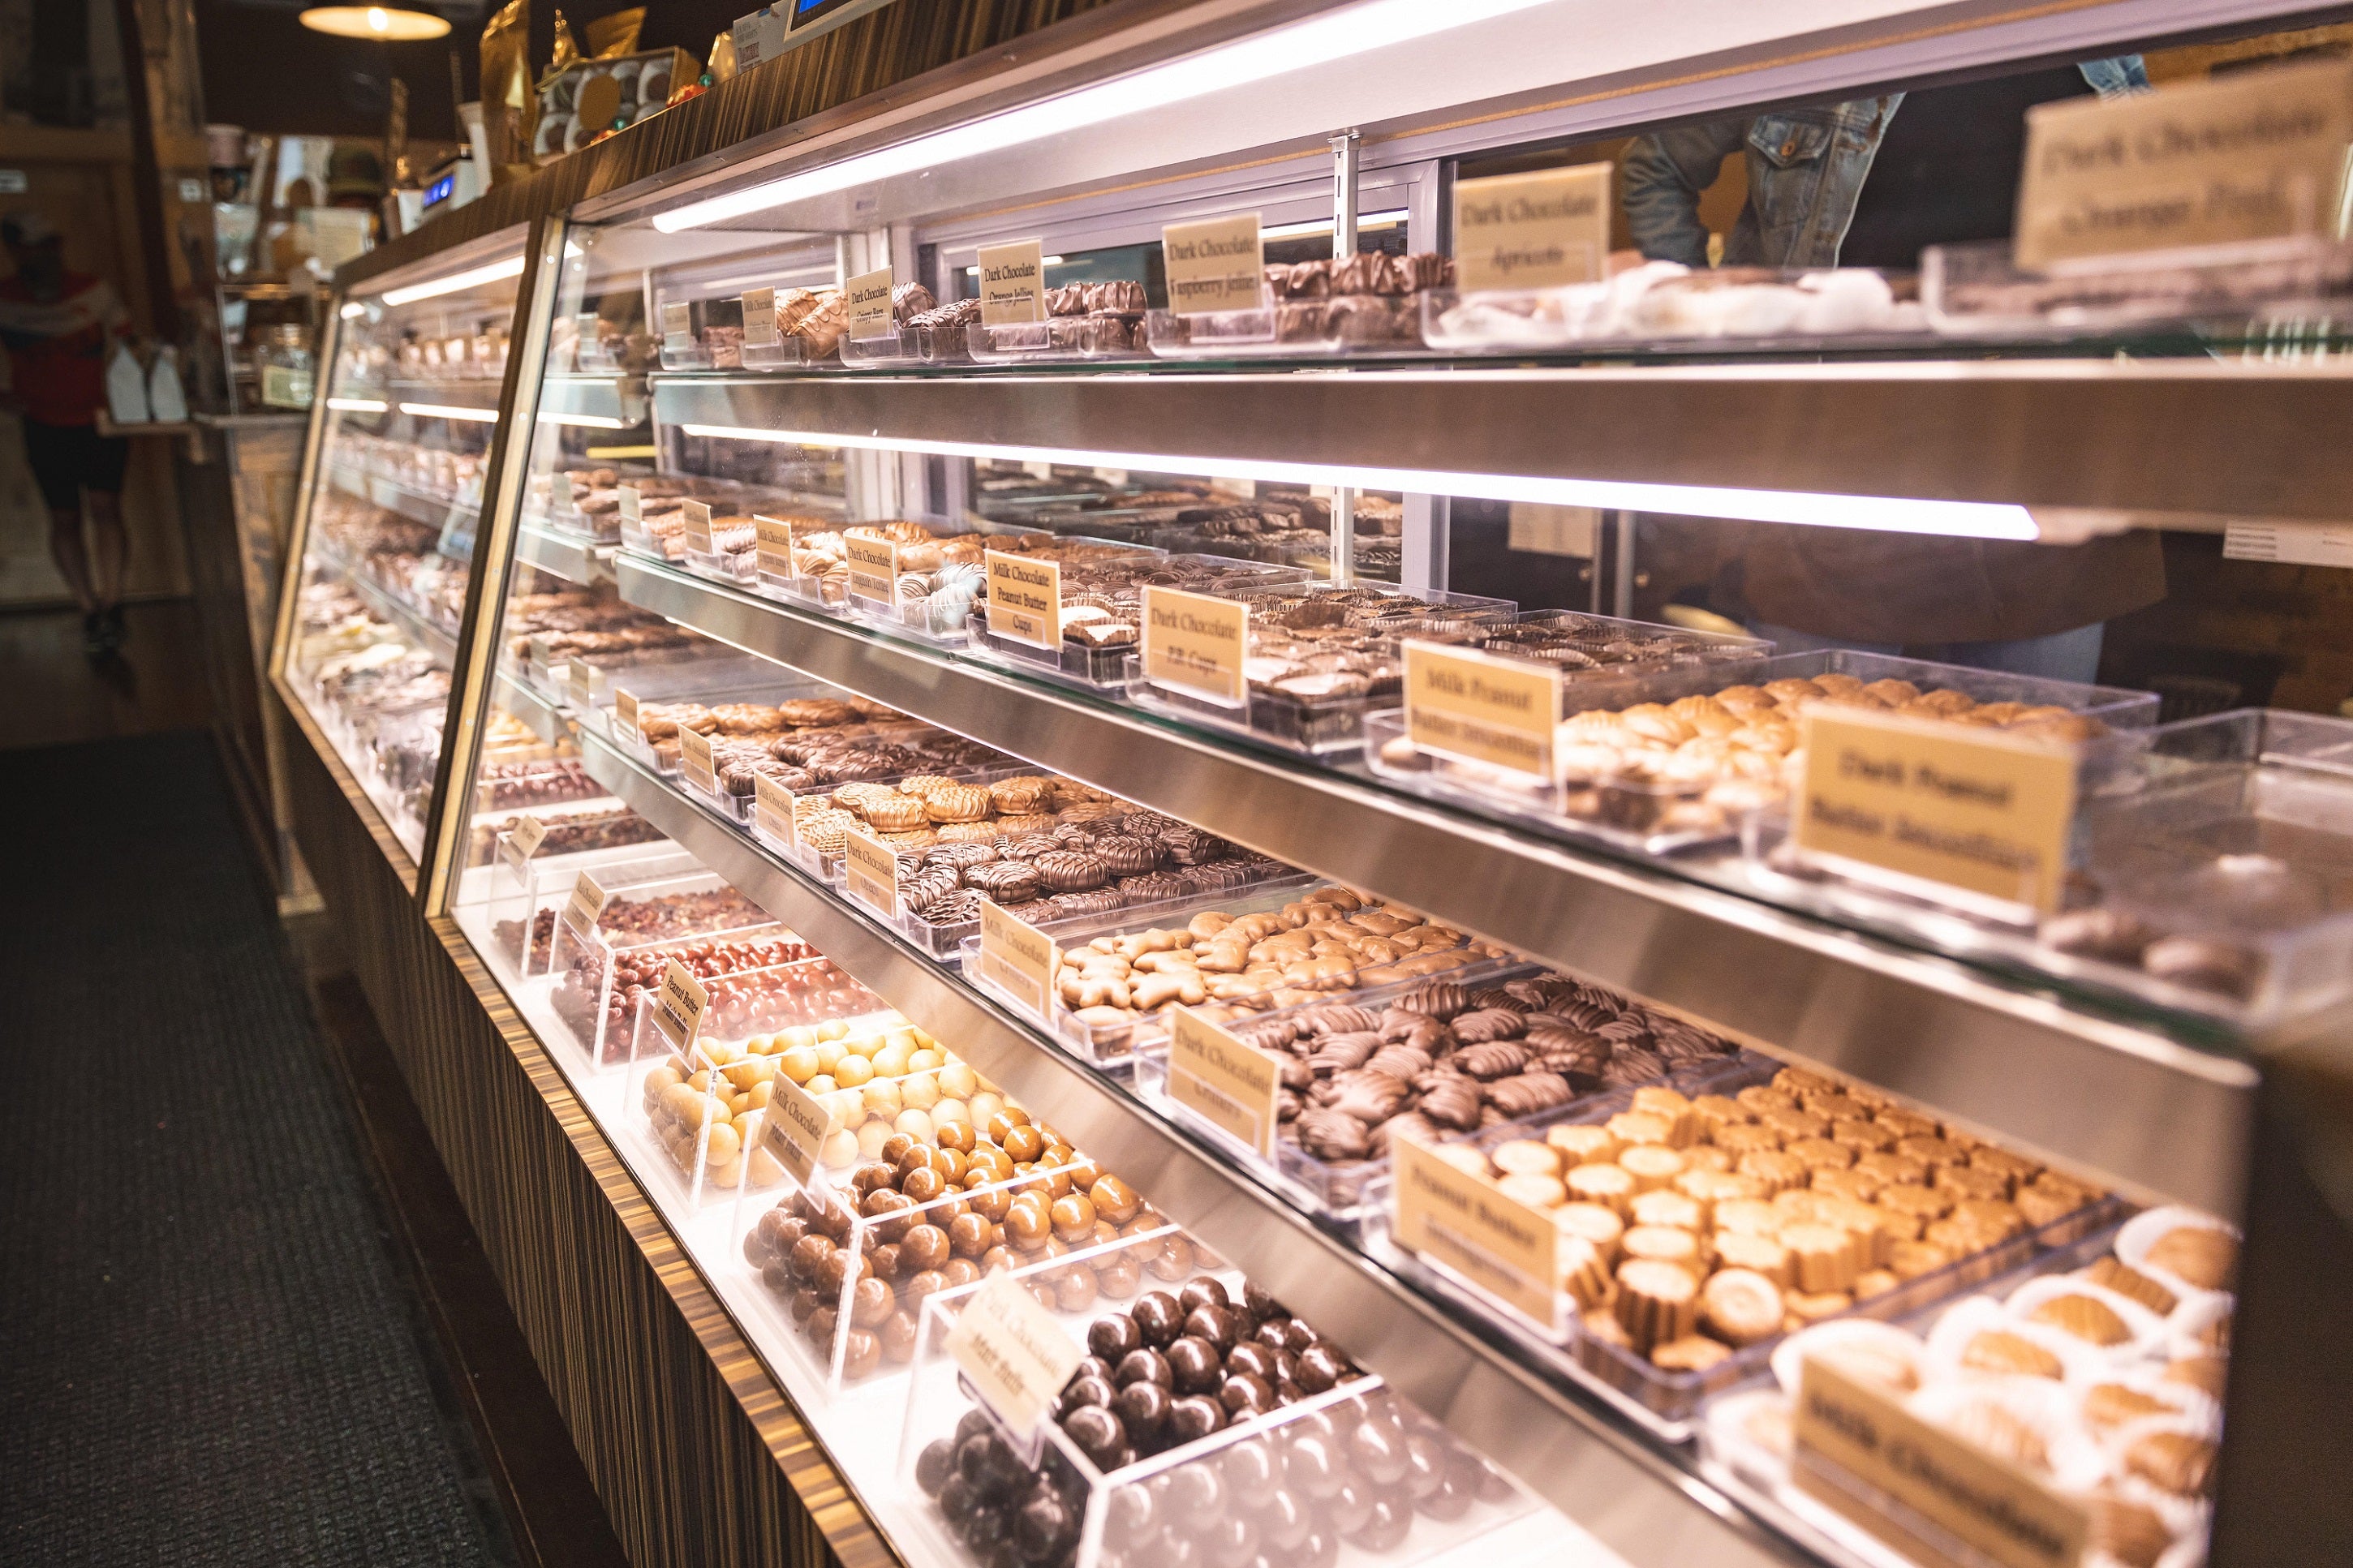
(2062,656)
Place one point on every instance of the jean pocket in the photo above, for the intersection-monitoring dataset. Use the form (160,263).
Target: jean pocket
(1786,140)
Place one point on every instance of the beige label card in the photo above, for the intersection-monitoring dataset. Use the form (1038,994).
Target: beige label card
(774,810)
(867,300)
(1025,599)
(1505,1247)
(1012,283)
(759,317)
(1014,1353)
(1018,959)
(624,713)
(679,1007)
(1216,264)
(695,760)
(527,835)
(1482,708)
(633,503)
(795,1128)
(1859,1450)
(772,545)
(580,679)
(2257,154)
(1532,231)
(1231,489)
(1196,644)
(873,570)
(1970,809)
(677,325)
(871,872)
(698,525)
(586,904)
(1217,1076)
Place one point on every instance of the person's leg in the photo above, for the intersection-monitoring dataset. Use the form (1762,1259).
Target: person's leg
(109,547)
(1790,640)
(2062,656)
(55,456)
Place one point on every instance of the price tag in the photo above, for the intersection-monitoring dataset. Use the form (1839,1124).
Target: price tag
(679,1007)
(678,326)
(866,299)
(795,1128)
(774,810)
(1195,644)
(1025,599)
(871,871)
(873,569)
(624,713)
(1015,1357)
(695,760)
(1234,489)
(1216,264)
(2257,154)
(1466,1223)
(1019,959)
(1478,708)
(759,317)
(1232,1084)
(697,526)
(772,543)
(587,905)
(1857,1449)
(1037,468)
(1968,811)
(633,504)
(1532,231)
(527,835)
(585,682)
(1012,283)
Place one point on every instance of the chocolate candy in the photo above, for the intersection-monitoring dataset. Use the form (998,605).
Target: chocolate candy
(1098,1432)
(1197,1365)
(1320,1368)
(1143,1406)
(1193,1416)
(1214,1324)
(1146,1366)
(1157,1318)
(1114,1336)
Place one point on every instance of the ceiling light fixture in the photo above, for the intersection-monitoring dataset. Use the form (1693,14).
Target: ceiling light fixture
(1324,226)
(450,411)
(581,421)
(383,24)
(1886,514)
(1280,51)
(497,270)
(356,406)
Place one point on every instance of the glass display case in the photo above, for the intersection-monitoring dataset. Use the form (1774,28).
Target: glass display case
(1639,851)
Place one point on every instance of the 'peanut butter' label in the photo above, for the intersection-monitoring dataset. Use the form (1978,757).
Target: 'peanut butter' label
(772,545)
(873,570)
(1860,1451)
(1025,600)
(698,525)
(679,1007)
(586,904)
(871,872)
(1216,264)
(1532,231)
(1013,1355)
(633,504)
(2255,155)
(624,713)
(866,299)
(1195,644)
(1970,810)
(1012,283)
(1019,960)
(1480,708)
(759,317)
(1466,1223)
(775,809)
(694,760)
(1216,1077)
(527,835)
(794,1129)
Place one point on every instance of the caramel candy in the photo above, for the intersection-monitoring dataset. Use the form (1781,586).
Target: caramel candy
(1666,1243)
(1742,1305)
(2087,1318)
(1758,1254)
(1694,1353)
(1652,1165)
(2179,1462)
(1997,1351)
(2206,1258)
(2127,1281)
(1596,1224)
(1585,1145)
(1656,1301)
(1608,1186)
(1824,1257)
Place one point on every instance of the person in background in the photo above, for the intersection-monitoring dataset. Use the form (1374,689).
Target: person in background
(57,326)
(1951,159)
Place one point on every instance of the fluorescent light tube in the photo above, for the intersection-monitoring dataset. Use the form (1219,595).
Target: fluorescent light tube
(582,421)
(1300,230)
(356,406)
(510,268)
(353,309)
(1890,514)
(1280,51)
(448,411)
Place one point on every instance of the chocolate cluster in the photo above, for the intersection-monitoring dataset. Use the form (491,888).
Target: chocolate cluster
(1089,862)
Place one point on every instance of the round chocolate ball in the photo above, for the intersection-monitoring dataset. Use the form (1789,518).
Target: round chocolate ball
(1350,1504)
(1098,1434)
(1193,1416)
(986,1524)
(1261,1303)
(1385,1527)
(1143,1407)
(1196,1498)
(934,1465)
(1251,1471)
(1245,1394)
(1215,1324)
(1146,1365)
(1253,1357)
(1233,1541)
(1084,1391)
(1319,1370)
(1157,1317)
(1196,1364)
(1129,1516)
(1203,1292)
(1285,1522)
(1112,1337)
(1320,1550)
(1314,1466)
(1458,1485)
(1425,1461)
(1377,1449)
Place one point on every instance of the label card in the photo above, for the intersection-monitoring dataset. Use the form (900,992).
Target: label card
(1861,1452)
(1025,600)
(1216,264)
(582,683)
(1969,809)
(678,326)
(679,1007)
(697,526)
(1012,283)
(2257,154)
(867,299)
(759,317)
(774,810)
(1478,708)
(1019,959)
(1037,468)
(695,760)
(1216,1076)
(795,1128)
(527,835)
(633,504)
(624,713)
(873,569)
(1195,644)
(1234,489)
(1466,1223)
(871,871)
(772,543)
(1532,231)
(586,904)
(1013,1355)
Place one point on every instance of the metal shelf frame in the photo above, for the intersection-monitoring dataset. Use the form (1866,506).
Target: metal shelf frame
(2101,1093)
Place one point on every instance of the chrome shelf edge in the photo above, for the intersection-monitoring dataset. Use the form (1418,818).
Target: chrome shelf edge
(575,561)
(1611,1480)
(517,698)
(2111,1099)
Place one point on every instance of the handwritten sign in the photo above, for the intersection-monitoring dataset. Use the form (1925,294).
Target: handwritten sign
(678,1006)
(1025,599)
(1012,283)
(527,835)
(695,760)
(873,569)
(1195,644)
(632,503)
(759,317)
(697,526)
(772,546)
(1013,1355)
(624,713)
(1018,959)
(867,300)
(871,873)
(774,810)
(795,1128)
(677,326)
(1504,1247)
(1231,1085)
(586,904)
(1532,231)
(1482,708)
(1216,264)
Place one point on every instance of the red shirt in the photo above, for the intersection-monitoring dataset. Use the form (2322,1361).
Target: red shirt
(57,349)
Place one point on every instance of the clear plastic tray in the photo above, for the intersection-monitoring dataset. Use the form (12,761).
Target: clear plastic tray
(1978,291)
(1661,305)
(1364,324)
(903,346)
(791,352)
(525,899)
(1104,668)
(1057,339)
(713,339)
